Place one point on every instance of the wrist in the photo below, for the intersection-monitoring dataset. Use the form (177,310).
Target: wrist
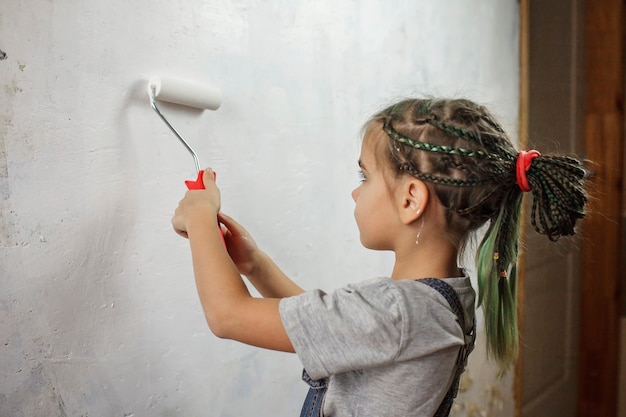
(259,261)
(201,220)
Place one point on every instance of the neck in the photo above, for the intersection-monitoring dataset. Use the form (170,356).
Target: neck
(426,260)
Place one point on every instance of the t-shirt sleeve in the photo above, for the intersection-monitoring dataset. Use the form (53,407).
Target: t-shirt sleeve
(352,328)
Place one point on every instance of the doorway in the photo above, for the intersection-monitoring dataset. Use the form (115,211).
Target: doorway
(572,99)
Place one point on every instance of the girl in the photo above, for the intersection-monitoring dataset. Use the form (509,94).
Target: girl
(433,172)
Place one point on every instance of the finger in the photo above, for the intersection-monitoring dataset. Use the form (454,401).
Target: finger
(226,232)
(234,228)
(209,176)
(229,222)
(224,218)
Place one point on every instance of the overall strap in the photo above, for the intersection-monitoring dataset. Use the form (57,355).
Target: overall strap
(450,295)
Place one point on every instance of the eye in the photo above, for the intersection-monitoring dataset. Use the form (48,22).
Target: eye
(362,175)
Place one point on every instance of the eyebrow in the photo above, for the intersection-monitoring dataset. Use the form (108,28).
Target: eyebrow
(363,167)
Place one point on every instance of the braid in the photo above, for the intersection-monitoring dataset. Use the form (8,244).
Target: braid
(424,146)
(465,155)
(463,133)
(441,179)
(558,195)
(455,131)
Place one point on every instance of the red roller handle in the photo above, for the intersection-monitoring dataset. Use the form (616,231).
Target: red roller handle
(198,184)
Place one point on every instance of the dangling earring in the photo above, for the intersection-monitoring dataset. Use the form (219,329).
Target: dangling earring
(417,238)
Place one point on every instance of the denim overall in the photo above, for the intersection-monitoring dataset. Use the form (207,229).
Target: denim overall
(317,389)
(450,295)
(314,400)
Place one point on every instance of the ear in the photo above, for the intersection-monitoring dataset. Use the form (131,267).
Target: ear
(413,200)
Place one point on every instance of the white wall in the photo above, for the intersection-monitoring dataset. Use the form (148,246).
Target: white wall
(98,310)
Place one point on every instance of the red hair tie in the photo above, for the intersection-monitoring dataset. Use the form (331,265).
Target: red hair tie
(522,166)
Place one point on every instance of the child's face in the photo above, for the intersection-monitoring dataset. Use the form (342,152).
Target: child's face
(375,212)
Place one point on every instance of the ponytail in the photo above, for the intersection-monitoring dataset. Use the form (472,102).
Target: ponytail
(559,198)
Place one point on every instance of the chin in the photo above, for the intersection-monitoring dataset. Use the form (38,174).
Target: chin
(365,244)
(373,245)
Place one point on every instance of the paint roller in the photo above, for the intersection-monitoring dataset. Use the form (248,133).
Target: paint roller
(188,94)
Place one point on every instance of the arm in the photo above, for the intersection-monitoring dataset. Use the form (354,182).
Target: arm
(231,312)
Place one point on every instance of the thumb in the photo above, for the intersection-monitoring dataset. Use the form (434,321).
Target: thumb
(209,175)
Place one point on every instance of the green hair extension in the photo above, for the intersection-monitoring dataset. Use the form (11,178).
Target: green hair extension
(497,283)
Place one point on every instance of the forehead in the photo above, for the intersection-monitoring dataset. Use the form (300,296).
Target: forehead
(375,142)
(366,158)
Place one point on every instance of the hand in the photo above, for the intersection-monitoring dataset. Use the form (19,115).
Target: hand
(242,249)
(197,204)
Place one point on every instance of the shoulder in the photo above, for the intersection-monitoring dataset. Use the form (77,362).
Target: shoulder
(405,305)
(354,327)
(371,323)
(440,307)
(376,293)
(414,288)
(383,293)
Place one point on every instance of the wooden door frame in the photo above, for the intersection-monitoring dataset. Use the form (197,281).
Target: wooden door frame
(604,89)
(601,251)
(524,86)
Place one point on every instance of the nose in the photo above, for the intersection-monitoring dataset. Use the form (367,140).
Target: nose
(355,193)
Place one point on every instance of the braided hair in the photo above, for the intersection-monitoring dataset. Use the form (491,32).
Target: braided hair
(470,165)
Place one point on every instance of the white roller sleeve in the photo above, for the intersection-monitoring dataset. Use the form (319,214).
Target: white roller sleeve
(185,93)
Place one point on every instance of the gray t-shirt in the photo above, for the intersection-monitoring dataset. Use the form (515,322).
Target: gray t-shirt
(389,348)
